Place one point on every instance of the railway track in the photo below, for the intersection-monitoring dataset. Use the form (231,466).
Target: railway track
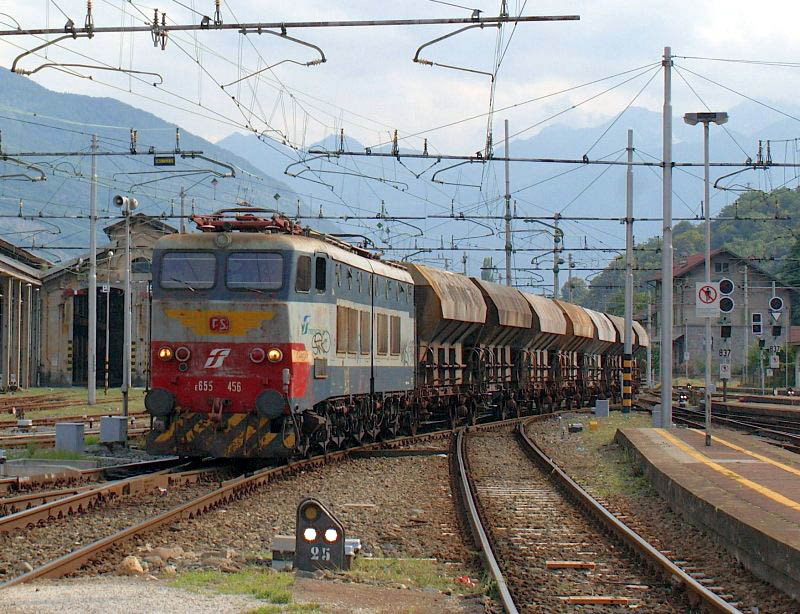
(75,477)
(544,529)
(229,491)
(81,418)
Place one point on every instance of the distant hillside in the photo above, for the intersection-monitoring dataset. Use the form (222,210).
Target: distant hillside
(760,225)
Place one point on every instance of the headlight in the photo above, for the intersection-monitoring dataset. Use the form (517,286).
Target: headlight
(257,355)
(182,353)
(165,353)
(274,355)
(310,534)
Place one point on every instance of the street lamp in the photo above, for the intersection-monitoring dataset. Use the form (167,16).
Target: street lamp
(127,204)
(693,119)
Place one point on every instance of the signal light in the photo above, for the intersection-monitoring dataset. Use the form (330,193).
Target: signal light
(776,331)
(726,304)
(761,344)
(725,332)
(757,329)
(726,286)
(331,535)
(165,353)
(274,355)
(309,534)
(776,303)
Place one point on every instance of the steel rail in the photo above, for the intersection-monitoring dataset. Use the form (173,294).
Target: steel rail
(479,533)
(89,498)
(696,592)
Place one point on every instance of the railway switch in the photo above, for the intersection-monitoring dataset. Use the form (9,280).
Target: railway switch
(319,538)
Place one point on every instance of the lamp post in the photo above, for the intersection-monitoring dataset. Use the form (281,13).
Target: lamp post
(693,119)
(127,204)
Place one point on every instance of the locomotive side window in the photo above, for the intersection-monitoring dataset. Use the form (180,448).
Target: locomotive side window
(321,274)
(395,347)
(352,330)
(383,334)
(341,329)
(188,270)
(365,334)
(257,270)
(303,280)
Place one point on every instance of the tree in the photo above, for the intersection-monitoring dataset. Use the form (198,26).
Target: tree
(580,291)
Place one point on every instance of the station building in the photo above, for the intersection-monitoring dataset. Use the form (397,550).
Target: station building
(753,287)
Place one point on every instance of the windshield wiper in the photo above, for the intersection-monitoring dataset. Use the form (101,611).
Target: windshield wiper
(185,284)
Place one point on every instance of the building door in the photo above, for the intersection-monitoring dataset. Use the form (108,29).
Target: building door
(80,336)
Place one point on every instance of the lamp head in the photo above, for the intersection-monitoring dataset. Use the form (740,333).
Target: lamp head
(693,119)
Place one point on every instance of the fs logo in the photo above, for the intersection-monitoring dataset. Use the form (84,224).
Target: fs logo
(304,326)
(216,357)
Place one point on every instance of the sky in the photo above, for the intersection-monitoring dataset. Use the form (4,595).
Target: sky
(370,87)
(579,73)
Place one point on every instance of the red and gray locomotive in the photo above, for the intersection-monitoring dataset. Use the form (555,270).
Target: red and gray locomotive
(270,340)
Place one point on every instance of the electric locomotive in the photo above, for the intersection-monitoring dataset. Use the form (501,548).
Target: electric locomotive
(263,334)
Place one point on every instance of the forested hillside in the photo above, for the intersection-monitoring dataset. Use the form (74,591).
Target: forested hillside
(758,225)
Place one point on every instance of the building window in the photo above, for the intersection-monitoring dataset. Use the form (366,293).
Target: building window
(140,265)
(721,267)
(303,280)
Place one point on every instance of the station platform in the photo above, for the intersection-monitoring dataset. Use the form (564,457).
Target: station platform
(741,490)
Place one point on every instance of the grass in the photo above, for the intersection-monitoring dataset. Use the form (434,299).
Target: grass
(91,440)
(612,469)
(50,454)
(80,407)
(275,588)
(417,573)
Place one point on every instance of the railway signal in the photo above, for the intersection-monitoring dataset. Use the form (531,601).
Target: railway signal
(319,538)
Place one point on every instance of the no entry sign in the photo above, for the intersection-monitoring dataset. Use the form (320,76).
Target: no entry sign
(707,299)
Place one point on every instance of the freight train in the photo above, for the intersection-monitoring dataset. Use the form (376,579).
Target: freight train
(269,340)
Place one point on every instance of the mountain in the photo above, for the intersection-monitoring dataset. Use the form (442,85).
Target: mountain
(35,119)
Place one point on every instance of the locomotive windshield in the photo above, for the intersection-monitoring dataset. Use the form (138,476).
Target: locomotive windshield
(190,270)
(260,270)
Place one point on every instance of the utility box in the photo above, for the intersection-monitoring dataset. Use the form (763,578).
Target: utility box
(113,429)
(601,408)
(657,416)
(69,436)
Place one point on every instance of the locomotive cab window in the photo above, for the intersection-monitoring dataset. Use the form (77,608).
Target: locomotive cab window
(188,270)
(303,279)
(256,270)
(320,274)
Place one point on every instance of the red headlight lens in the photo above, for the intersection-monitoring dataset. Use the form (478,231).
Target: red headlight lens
(257,355)
(182,353)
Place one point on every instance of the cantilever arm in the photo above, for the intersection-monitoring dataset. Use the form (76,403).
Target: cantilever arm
(321,60)
(33,167)
(93,67)
(42,46)
(419,60)
(231,171)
